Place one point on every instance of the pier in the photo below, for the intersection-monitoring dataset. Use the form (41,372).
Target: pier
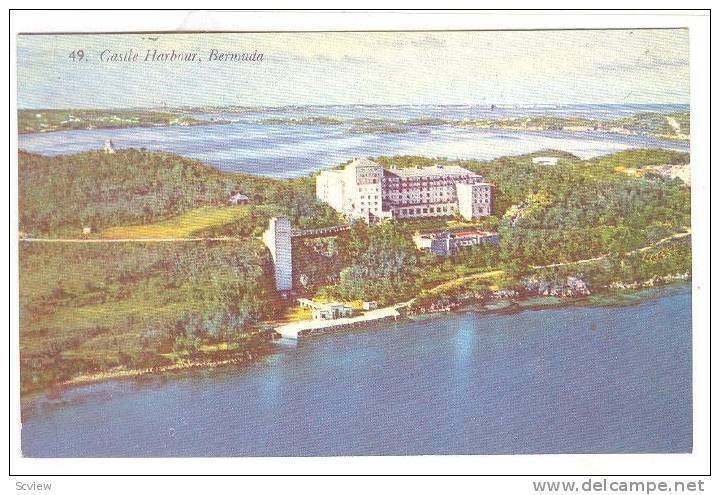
(297,329)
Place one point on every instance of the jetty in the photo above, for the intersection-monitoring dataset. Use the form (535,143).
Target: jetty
(296,329)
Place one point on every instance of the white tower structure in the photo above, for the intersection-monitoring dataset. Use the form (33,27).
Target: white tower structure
(474,200)
(109,147)
(278,239)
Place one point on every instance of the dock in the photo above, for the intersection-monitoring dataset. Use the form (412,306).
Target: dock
(296,329)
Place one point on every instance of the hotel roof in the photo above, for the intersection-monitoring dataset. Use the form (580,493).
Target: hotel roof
(432,171)
(362,162)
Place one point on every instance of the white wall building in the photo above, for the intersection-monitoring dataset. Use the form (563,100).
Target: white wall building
(356,190)
(365,190)
(278,239)
(449,242)
(330,188)
(474,200)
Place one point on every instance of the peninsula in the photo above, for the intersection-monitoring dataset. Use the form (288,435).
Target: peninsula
(104,292)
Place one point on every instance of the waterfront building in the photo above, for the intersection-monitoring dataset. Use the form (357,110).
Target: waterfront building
(326,311)
(278,239)
(364,190)
(449,242)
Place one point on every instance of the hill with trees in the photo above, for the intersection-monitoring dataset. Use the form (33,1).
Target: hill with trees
(94,307)
(59,195)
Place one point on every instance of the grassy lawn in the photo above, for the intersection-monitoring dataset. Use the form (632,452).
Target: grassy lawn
(181,226)
(206,350)
(493,276)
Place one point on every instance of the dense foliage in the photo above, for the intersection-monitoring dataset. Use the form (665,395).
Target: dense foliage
(61,194)
(579,209)
(575,210)
(379,264)
(88,307)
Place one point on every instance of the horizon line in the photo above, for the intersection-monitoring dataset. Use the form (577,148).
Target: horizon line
(320,105)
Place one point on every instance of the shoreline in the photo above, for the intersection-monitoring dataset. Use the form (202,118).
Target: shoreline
(616,298)
(399,130)
(247,357)
(611,298)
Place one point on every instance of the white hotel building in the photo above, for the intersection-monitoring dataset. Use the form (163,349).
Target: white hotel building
(365,190)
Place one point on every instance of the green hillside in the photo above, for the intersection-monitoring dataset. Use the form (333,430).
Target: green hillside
(61,194)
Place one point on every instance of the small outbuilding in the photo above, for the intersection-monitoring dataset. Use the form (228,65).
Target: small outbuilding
(449,242)
(239,199)
(332,311)
(326,311)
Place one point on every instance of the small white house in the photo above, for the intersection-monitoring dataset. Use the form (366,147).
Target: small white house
(369,305)
(545,160)
(326,311)
(332,311)
(238,199)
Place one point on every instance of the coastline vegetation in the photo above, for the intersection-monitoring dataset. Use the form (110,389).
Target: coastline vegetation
(668,126)
(93,308)
(96,307)
(50,120)
(320,120)
(59,195)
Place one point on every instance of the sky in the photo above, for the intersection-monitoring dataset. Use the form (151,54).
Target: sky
(400,68)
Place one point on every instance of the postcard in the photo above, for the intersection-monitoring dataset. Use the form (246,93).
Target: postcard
(355,243)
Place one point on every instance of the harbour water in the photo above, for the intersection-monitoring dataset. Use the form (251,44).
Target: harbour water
(613,379)
(272,142)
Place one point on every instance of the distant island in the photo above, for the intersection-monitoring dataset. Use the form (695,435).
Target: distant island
(673,126)
(302,121)
(103,295)
(30,121)
(669,126)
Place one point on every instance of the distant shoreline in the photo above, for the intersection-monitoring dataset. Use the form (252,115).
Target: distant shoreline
(671,124)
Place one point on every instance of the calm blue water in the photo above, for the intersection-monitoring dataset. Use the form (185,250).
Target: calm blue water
(568,380)
(249,144)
